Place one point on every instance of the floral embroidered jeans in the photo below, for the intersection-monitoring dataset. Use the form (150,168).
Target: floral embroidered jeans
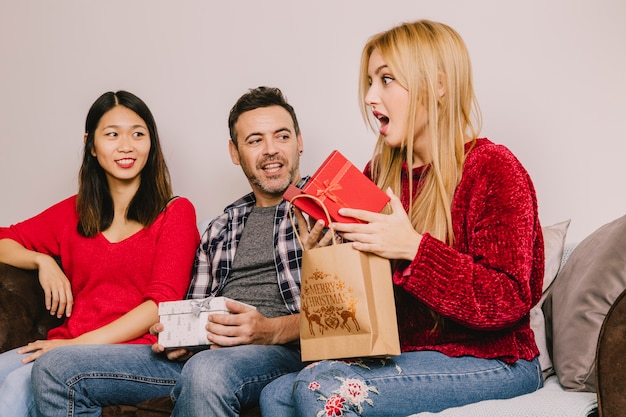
(410,383)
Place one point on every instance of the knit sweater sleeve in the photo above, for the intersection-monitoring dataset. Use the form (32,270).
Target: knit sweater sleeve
(45,232)
(176,246)
(491,276)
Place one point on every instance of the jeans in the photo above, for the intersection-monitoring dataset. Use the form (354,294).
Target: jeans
(79,380)
(16,396)
(407,384)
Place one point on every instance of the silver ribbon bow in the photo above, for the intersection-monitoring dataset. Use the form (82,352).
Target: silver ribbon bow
(198,306)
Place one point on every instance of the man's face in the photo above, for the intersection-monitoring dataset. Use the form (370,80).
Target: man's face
(268,151)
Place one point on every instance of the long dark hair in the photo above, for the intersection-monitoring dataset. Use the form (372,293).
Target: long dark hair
(94,203)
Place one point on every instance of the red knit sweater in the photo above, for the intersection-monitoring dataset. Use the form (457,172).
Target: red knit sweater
(110,279)
(487,282)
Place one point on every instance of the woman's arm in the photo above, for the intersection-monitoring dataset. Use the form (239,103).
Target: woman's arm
(492,276)
(56,287)
(12,253)
(130,326)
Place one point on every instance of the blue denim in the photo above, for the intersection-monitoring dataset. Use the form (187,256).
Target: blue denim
(16,395)
(407,384)
(80,380)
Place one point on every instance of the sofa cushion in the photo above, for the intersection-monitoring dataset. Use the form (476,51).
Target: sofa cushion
(554,242)
(589,283)
(550,401)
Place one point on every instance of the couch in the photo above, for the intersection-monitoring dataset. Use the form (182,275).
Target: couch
(580,281)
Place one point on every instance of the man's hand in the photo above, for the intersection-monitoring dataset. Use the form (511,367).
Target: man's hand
(312,237)
(173,354)
(244,326)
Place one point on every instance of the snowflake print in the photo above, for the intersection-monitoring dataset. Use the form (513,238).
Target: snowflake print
(319,275)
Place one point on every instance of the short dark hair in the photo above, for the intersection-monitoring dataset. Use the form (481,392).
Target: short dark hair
(256,98)
(94,202)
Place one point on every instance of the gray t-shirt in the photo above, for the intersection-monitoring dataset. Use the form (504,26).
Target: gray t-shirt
(253,277)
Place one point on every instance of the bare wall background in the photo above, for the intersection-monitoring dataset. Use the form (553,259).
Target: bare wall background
(549,77)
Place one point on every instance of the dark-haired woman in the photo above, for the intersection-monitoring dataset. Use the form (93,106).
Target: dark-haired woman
(124,243)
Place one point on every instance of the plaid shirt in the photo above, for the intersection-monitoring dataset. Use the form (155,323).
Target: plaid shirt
(214,257)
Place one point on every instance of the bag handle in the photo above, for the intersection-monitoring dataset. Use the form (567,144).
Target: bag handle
(321,203)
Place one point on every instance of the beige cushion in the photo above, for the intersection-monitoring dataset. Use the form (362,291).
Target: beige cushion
(554,241)
(590,281)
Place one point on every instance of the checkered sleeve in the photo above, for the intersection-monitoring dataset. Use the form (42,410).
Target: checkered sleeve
(203,283)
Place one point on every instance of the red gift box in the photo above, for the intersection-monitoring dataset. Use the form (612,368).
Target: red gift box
(338,183)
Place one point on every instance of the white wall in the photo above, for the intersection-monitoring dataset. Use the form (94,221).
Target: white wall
(549,76)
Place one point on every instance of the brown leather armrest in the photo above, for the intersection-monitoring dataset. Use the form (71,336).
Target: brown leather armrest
(23,316)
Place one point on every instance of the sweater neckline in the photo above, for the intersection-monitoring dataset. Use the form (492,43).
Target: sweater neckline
(126,239)
(419,170)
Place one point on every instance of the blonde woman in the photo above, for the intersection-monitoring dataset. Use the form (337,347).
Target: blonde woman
(463,235)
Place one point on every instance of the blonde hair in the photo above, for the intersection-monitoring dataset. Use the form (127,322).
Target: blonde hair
(424,56)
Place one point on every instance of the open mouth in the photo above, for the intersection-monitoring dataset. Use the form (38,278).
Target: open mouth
(382,119)
(271,167)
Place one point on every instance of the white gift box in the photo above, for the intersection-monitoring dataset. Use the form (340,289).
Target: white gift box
(185,321)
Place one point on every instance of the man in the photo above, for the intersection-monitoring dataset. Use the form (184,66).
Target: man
(248,253)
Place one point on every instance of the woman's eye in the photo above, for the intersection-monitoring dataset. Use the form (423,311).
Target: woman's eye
(387,79)
(138,134)
(111,134)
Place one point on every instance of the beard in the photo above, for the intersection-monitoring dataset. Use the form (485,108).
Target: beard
(273,184)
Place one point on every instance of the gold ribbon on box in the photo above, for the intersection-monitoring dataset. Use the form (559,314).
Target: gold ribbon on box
(326,189)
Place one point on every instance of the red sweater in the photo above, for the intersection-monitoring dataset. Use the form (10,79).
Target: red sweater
(487,282)
(110,279)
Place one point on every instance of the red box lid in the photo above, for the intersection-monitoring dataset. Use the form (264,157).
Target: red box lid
(338,183)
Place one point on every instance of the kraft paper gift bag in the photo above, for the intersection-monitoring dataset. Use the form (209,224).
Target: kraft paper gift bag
(348,307)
